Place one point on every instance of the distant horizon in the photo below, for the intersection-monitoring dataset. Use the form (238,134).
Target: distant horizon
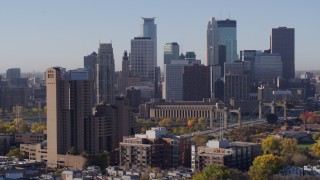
(61,33)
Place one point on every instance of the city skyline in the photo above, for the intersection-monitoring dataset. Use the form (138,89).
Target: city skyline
(62,33)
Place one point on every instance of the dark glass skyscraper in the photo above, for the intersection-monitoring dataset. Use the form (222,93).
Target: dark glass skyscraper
(171,52)
(282,42)
(228,38)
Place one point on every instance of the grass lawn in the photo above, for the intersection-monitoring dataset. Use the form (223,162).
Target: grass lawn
(305,145)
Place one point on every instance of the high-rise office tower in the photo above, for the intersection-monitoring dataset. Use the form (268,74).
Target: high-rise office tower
(13,73)
(213,58)
(142,58)
(212,43)
(237,80)
(126,79)
(90,62)
(171,52)
(282,42)
(228,38)
(173,79)
(149,29)
(105,74)
(68,104)
(196,82)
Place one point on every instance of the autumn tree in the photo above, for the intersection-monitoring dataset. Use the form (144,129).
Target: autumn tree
(213,171)
(167,122)
(38,127)
(271,145)
(288,146)
(299,159)
(315,149)
(265,166)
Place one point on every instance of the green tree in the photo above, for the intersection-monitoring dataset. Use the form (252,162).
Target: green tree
(200,139)
(271,145)
(15,152)
(315,150)
(201,120)
(265,166)
(99,159)
(288,146)
(213,171)
(167,122)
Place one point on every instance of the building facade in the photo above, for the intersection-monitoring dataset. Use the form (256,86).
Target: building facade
(126,78)
(282,42)
(237,80)
(172,89)
(149,29)
(212,43)
(228,38)
(105,74)
(156,148)
(171,52)
(196,82)
(239,155)
(68,103)
(142,59)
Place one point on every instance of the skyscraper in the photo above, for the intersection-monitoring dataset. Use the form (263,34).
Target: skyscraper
(196,82)
(142,58)
(214,61)
(89,62)
(228,38)
(105,74)
(149,29)
(173,79)
(171,52)
(282,42)
(237,80)
(13,73)
(212,43)
(126,79)
(68,104)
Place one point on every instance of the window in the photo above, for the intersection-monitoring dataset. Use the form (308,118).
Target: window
(50,75)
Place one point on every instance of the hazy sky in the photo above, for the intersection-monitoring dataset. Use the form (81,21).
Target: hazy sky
(38,34)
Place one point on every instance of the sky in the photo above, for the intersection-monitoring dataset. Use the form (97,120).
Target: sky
(37,34)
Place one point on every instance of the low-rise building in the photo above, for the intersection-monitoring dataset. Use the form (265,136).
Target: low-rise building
(238,155)
(156,148)
(312,170)
(29,138)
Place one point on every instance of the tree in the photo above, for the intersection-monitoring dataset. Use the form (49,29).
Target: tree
(38,127)
(288,146)
(300,159)
(201,120)
(213,171)
(316,136)
(167,122)
(315,150)
(265,166)
(271,145)
(15,152)
(200,139)
(191,122)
